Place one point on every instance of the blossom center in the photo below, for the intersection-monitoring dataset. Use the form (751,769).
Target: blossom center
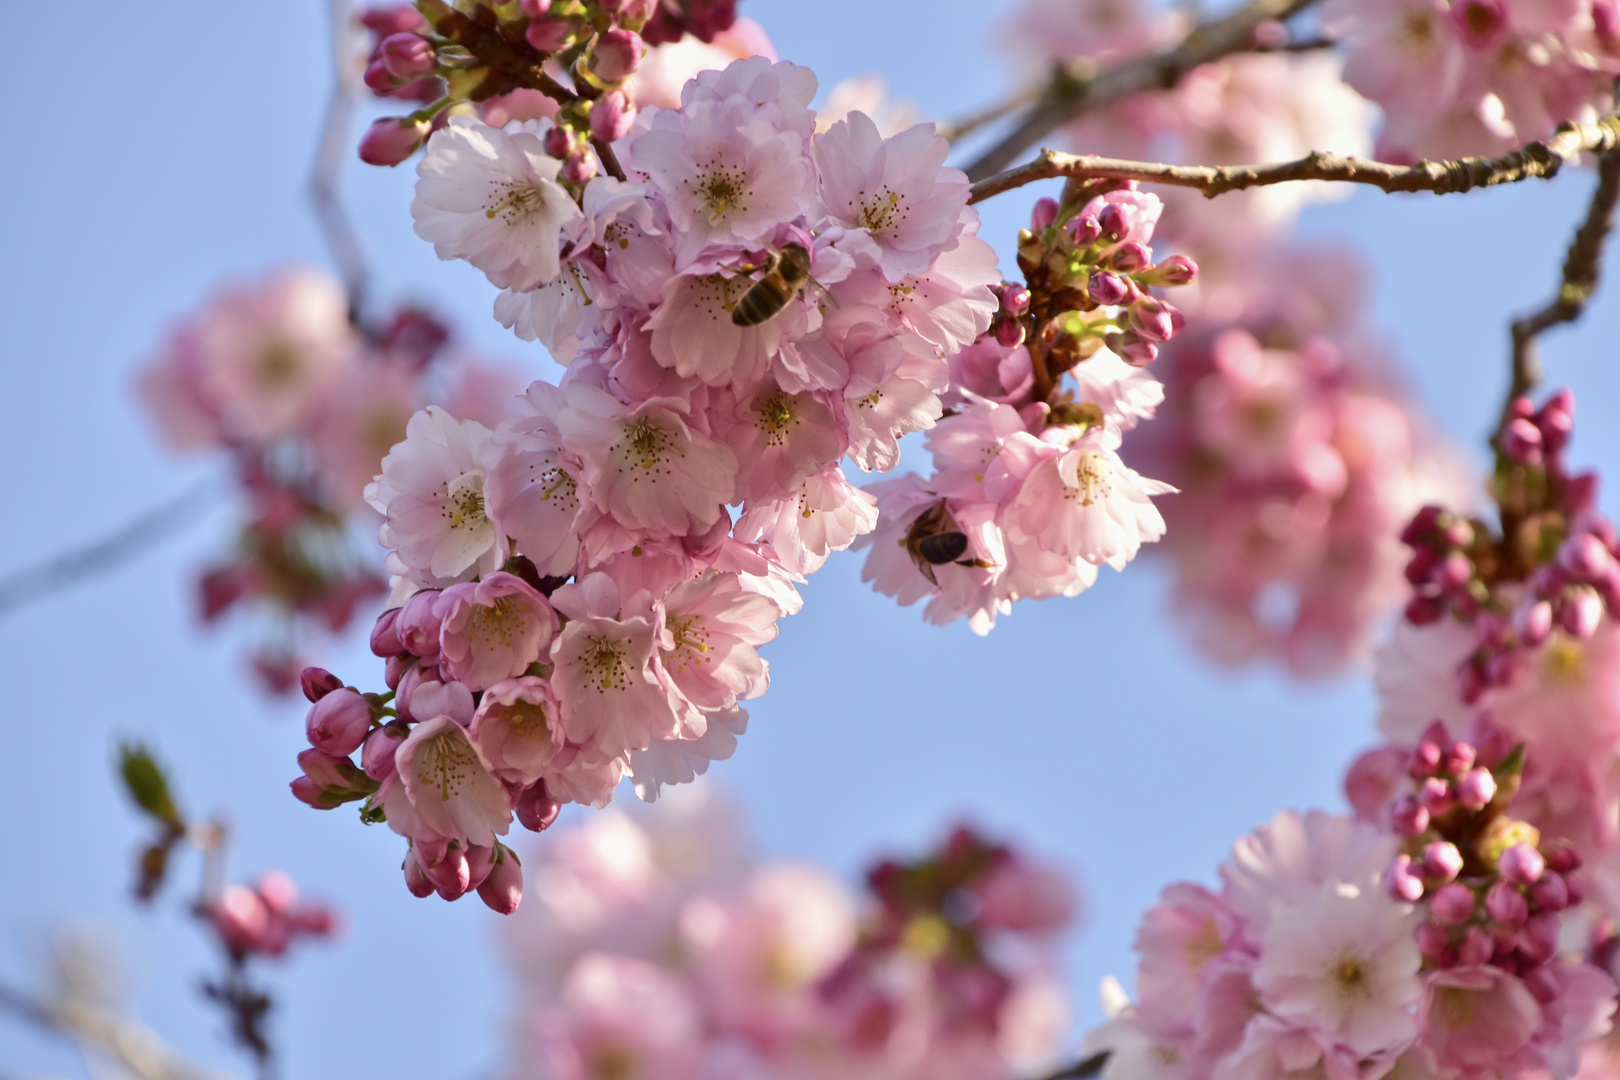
(497,622)
(465,496)
(1563,662)
(613,1062)
(1415,32)
(722,188)
(557,484)
(1350,976)
(691,643)
(446,763)
(644,445)
(775,418)
(528,720)
(1090,480)
(882,214)
(515,202)
(278,363)
(606,662)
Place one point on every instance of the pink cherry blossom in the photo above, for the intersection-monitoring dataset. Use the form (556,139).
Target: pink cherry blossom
(517,731)
(493,629)
(827,515)
(452,793)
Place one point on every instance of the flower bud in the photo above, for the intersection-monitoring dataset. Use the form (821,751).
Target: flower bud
(1422,610)
(557,142)
(1580,611)
(1442,860)
(1111,221)
(1550,894)
(480,860)
(548,35)
(579,166)
(1452,905)
(612,116)
(1130,257)
(1156,320)
(1014,299)
(534,9)
(392,139)
(1436,796)
(1433,940)
(1453,571)
(1532,622)
(1401,882)
(1136,352)
(1556,421)
(1425,760)
(1521,442)
(536,809)
(1506,904)
(1457,759)
(1584,557)
(502,890)
(1563,858)
(1106,288)
(1009,333)
(419,625)
(1475,947)
(1538,939)
(1521,864)
(1086,230)
(1408,817)
(1177,270)
(377,759)
(416,879)
(1580,492)
(1477,789)
(241,919)
(318,682)
(1042,214)
(396,667)
(331,773)
(337,724)
(385,636)
(379,80)
(450,874)
(1542,984)
(408,56)
(312,794)
(616,55)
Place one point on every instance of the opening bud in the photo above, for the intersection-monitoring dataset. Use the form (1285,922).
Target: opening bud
(416,879)
(318,682)
(548,35)
(392,139)
(1107,288)
(1130,257)
(408,56)
(1580,611)
(1521,442)
(1550,894)
(337,724)
(1086,231)
(1402,882)
(502,890)
(617,55)
(612,116)
(1043,214)
(384,637)
(1408,816)
(1521,864)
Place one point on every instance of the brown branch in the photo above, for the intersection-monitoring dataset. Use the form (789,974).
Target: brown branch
(951,130)
(331,155)
(610,160)
(1536,160)
(1582,267)
(1083,1069)
(1080,87)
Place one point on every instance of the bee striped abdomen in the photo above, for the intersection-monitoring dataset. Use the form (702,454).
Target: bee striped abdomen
(787,273)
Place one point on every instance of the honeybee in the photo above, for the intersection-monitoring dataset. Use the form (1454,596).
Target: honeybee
(785,276)
(935,539)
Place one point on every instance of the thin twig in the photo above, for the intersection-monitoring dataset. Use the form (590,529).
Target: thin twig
(96,1031)
(332,153)
(146,531)
(610,160)
(952,130)
(1536,160)
(1080,87)
(1582,268)
(1083,1069)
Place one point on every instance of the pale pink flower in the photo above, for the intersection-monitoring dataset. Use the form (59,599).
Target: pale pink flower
(716,626)
(868,94)
(967,445)
(451,789)
(490,196)
(645,465)
(1292,857)
(431,491)
(1404,54)
(1343,962)
(881,408)
(622,1017)
(1179,938)
(827,515)
(493,629)
(1479,1020)
(1273,1049)
(682,760)
(668,68)
(693,334)
(533,488)
(517,731)
(950,304)
(364,416)
(780,439)
(1127,395)
(610,698)
(559,314)
(896,198)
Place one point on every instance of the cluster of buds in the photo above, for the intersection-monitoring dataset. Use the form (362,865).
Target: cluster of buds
(946,911)
(1090,276)
(1552,568)
(1492,889)
(578,53)
(265,918)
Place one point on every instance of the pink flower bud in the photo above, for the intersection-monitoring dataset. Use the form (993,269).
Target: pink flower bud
(480,860)
(279,892)
(318,682)
(1584,557)
(1408,816)
(1086,230)
(1106,288)
(1401,882)
(1422,523)
(617,55)
(548,35)
(1453,571)
(534,9)
(392,139)
(312,794)
(1580,492)
(408,56)
(1130,257)
(1477,789)
(579,167)
(1606,20)
(385,637)
(1136,352)
(1433,940)
(1521,864)
(377,759)
(1008,332)
(1042,214)
(1156,320)
(1442,860)
(1436,796)
(1111,221)
(1425,761)
(502,890)
(1506,904)
(557,142)
(450,873)
(1452,904)
(331,773)
(1542,984)
(337,724)
(1521,442)
(1538,939)
(1580,611)
(612,116)
(379,80)
(1457,759)
(1475,947)
(1422,610)
(418,625)
(1532,622)
(1576,892)
(416,879)
(1557,420)
(536,809)
(1015,300)
(1563,859)
(1178,270)
(240,917)
(1550,894)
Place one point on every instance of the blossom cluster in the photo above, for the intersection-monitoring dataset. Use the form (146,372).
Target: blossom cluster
(274,375)
(1029,495)
(265,918)
(659,949)
(573,602)
(1305,962)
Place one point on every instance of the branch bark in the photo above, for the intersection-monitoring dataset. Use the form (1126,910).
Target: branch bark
(1582,268)
(1536,160)
(1079,87)
(1083,1069)
(331,155)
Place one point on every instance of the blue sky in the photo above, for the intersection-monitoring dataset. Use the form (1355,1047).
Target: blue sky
(163,153)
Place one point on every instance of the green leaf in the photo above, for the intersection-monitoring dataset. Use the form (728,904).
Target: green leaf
(147,785)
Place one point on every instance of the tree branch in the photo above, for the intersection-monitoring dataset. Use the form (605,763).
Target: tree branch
(1582,268)
(1080,87)
(1083,1069)
(331,154)
(1536,160)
